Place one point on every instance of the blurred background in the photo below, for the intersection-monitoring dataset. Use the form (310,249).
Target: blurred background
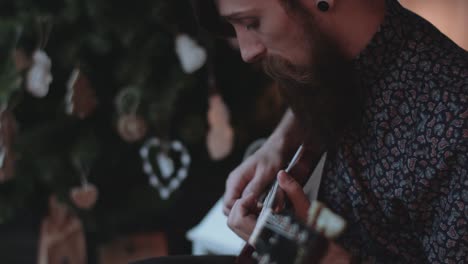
(120,122)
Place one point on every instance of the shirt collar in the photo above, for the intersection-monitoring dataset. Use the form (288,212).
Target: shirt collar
(385,45)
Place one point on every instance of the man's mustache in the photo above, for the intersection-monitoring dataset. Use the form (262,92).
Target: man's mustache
(283,70)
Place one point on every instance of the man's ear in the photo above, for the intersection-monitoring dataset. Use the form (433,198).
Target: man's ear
(324,5)
(316,7)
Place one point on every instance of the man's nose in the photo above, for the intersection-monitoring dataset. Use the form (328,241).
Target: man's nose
(252,50)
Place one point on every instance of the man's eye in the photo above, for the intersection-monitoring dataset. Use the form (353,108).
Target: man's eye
(252,26)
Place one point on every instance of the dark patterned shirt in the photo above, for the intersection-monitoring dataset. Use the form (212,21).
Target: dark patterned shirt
(401,179)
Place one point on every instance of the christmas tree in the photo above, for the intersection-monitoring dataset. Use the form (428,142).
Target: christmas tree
(124,111)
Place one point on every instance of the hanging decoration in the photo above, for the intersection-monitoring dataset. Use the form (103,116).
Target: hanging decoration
(85,195)
(130,126)
(39,76)
(80,99)
(7,135)
(22,61)
(62,238)
(166,164)
(220,137)
(191,55)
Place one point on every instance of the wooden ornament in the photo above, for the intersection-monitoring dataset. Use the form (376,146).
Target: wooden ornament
(132,127)
(62,237)
(8,128)
(22,60)
(84,196)
(220,138)
(81,98)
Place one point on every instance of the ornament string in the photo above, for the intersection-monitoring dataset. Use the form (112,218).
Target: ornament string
(45,29)
(83,169)
(128,101)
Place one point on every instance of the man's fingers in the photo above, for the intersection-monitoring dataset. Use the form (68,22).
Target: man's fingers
(242,217)
(248,204)
(295,194)
(259,182)
(235,184)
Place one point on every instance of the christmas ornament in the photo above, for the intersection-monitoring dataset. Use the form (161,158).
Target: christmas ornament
(85,195)
(39,75)
(7,136)
(166,164)
(130,126)
(191,55)
(62,237)
(220,137)
(22,61)
(80,98)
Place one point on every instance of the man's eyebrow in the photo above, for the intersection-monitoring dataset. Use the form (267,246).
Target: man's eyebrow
(236,16)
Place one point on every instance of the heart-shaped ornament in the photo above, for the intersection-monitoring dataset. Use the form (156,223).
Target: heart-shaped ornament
(166,164)
(191,55)
(39,75)
(84,196)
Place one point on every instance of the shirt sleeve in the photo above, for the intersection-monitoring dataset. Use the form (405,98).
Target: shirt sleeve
(445,234)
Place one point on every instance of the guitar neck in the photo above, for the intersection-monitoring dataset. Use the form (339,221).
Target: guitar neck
(283,239)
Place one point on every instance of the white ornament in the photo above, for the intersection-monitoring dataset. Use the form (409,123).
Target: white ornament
(191,55)
(39,75)
(166,165)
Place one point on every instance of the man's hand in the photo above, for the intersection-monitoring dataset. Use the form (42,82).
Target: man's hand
(252,176)
(243,216)
(335,254)
(244,213)
(259,170)
(295,194)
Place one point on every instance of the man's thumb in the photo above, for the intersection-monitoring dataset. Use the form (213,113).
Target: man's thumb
(295,194)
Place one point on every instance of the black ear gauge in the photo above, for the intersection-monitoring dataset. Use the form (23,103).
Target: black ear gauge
(323,6)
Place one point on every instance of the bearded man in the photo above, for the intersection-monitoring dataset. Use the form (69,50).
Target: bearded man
(384,93)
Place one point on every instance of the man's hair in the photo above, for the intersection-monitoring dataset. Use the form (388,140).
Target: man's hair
(207,16)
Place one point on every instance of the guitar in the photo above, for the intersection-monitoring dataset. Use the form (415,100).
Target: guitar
(283,239)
